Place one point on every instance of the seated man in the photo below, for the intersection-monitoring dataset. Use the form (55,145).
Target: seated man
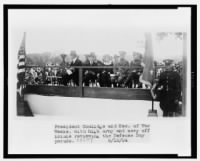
(90,75)
(104,77)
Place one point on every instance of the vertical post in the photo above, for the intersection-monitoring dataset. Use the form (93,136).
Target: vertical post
(184,75)
(154,77)
(80,82)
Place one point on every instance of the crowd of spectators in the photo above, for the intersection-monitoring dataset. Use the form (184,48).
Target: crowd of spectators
(112,71)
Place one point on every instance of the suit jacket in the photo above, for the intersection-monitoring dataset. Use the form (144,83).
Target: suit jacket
(87,63)
(76,63)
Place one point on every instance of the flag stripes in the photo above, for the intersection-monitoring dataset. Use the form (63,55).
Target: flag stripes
(21,63)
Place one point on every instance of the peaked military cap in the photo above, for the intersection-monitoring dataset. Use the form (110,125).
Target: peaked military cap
(168,62)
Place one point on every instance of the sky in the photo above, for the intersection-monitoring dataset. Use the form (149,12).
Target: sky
(99,31)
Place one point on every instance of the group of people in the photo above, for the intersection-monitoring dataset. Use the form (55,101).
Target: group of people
(113,71)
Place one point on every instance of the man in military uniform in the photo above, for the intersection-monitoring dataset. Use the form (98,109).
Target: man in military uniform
(169,89)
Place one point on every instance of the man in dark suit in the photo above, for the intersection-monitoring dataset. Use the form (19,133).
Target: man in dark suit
(90,75)
(169,89)
(104,76)
(75,61)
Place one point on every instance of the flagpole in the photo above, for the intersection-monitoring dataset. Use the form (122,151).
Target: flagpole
(152,107)
(152,104)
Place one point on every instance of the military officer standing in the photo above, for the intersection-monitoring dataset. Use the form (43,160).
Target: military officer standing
(169,88)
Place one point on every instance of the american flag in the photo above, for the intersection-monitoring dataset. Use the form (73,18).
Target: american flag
(21,65)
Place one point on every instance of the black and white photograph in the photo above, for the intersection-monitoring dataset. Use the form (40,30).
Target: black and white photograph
(99,79)
(99,55)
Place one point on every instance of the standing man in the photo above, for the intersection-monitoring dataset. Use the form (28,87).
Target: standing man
(104,76)
(90,75)
(169,88)
(75,62)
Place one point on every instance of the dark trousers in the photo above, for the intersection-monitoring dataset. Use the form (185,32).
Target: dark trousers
(75,78)
(105,80)
(66,78)
(168,114)
(89,78)
(133,78)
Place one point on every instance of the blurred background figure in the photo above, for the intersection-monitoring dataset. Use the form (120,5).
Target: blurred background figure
(59,75)
(134,72)
(29,79)
(64,74)
(116,71)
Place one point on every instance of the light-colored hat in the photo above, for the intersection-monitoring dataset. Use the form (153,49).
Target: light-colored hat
(107,56)
(73,53)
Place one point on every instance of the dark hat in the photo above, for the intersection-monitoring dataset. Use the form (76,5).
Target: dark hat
(168,62)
